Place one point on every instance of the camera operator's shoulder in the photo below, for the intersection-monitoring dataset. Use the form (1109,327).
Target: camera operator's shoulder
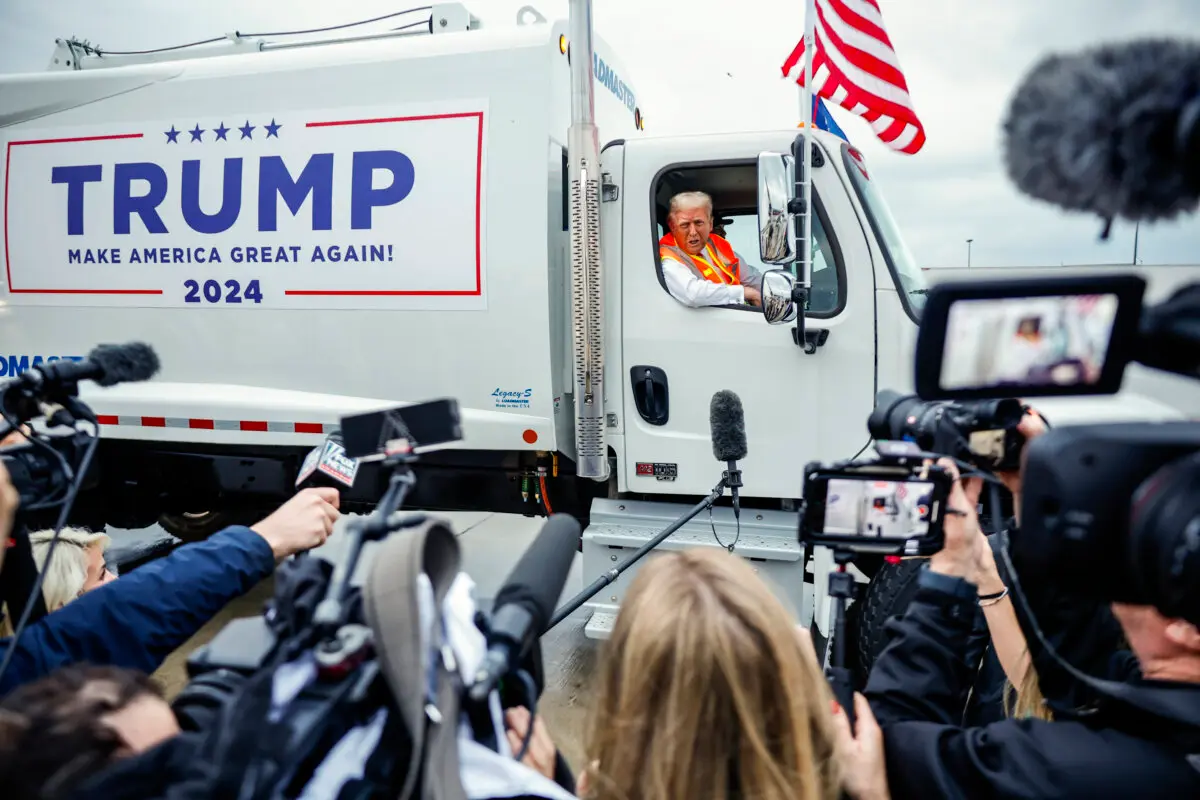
(1079,760)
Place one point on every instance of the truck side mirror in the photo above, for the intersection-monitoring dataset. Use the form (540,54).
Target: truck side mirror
(776,180)
(777,304)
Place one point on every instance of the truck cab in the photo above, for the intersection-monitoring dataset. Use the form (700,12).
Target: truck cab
(803,400)
(806,397)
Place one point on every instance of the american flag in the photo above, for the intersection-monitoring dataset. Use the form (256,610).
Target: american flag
(855,66)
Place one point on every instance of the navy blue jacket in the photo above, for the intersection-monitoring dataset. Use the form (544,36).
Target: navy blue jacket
(139,619)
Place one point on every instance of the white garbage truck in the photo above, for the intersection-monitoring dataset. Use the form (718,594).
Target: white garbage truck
(305,227)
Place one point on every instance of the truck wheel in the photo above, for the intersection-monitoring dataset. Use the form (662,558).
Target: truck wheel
(888,595)
(195,527)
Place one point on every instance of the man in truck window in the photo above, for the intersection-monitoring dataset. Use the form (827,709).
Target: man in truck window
(699,267)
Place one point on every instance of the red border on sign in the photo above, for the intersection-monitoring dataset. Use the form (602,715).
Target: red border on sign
(478,290)
(7,258)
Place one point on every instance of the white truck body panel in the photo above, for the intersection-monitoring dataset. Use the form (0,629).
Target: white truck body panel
(482,224)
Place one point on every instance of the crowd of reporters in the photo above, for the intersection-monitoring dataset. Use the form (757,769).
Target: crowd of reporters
(707,687)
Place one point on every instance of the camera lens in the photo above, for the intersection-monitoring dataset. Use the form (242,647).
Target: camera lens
(1002,413)
(889,419)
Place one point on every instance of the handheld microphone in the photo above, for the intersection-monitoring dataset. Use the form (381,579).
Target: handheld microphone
(728,425)
(106,365)
(524,605)
(1113,130)
(328,465)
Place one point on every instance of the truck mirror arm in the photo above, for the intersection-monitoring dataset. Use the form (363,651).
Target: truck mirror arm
(800,298)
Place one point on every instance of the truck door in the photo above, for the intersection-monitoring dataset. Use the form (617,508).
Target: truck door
(798,406)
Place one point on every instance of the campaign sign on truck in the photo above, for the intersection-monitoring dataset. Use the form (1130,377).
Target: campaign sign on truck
(378,207)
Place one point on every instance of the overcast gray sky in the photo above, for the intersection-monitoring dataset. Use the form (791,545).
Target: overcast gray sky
(962,61)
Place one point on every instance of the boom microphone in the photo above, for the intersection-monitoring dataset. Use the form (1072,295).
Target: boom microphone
(523,606)
(1114,130)
(106,365)
(728,425)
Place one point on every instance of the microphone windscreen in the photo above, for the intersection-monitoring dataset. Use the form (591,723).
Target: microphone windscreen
(1111,130)
(728,425)
(537,580)
(121,363)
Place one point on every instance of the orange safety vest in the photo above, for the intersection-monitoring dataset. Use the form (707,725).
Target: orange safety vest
(722,265)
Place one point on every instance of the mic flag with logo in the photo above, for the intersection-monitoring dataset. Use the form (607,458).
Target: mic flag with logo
(855,66)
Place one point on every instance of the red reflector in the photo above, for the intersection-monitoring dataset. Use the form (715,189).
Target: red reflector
(892,559)
(154,422)
(530,436)
(107,419)
(201,424)
(309,427)
(253,426)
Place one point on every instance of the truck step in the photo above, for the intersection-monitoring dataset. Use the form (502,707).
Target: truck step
(618,528)
(600,626)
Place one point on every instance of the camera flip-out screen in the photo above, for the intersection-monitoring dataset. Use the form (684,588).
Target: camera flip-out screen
(1028,338)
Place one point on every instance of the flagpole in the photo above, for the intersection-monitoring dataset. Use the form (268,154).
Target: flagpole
(810,19)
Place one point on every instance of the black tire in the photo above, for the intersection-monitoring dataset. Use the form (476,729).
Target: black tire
(199,526)
(888,595)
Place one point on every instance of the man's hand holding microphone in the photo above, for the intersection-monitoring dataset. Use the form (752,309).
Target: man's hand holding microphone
(302,523)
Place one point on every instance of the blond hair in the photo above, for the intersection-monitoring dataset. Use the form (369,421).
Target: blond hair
(68,569)
(1026,701)
(706,691)
(689,200)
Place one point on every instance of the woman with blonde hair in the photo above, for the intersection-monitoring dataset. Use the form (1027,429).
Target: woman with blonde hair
(77,566)
(708,689)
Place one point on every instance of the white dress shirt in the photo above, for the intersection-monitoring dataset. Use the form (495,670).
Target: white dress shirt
(693,291)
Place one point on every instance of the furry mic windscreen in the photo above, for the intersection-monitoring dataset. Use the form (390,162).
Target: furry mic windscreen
(124,362)
(1114,130)
(728,426)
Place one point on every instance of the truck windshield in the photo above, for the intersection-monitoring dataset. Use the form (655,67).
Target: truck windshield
(910,282)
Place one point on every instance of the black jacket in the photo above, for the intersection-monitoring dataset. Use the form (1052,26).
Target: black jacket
(916,688)
(1082,631)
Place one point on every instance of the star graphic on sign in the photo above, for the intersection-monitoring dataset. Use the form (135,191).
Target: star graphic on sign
(245,129)
(196,133)
(172,135)
(273,129)
(221,131)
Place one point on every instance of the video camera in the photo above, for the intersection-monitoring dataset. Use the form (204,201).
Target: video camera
(55,459)
(44,466)
(1110,512)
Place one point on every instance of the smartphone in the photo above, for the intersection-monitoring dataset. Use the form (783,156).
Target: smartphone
(423,424)
(889,510)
